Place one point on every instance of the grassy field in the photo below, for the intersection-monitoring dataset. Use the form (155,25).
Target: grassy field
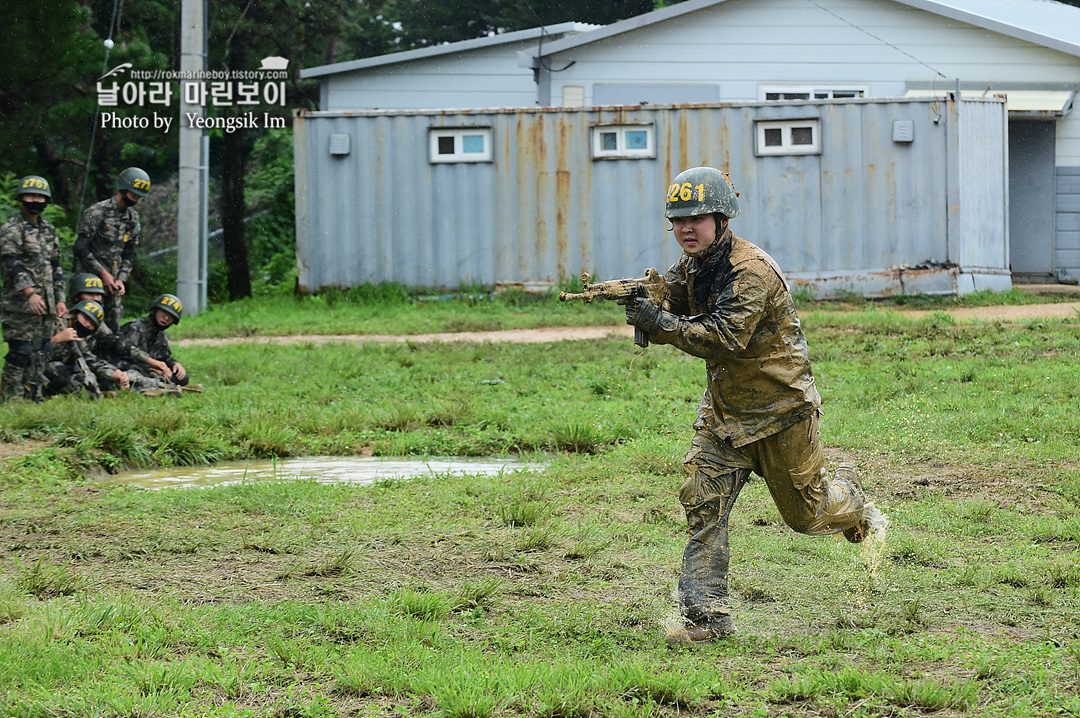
(544,593)
(388,309)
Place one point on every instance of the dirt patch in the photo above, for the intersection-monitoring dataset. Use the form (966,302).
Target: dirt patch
(513,336)
(1009,313)
(1017,313)
(10,450)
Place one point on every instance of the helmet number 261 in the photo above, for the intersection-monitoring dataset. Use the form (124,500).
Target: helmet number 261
(685,192)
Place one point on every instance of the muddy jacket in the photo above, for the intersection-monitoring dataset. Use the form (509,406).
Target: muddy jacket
(143,334)
(731,307)
(30,255)
(108,236)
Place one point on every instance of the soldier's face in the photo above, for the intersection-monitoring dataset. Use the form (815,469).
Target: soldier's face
(85,321)
(694,234)
(163,319)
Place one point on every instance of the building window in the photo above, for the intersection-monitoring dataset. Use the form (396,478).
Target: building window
(625,141)
(472,144)
(808,92)
(788,137)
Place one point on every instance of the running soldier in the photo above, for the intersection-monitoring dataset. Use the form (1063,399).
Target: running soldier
(729,304)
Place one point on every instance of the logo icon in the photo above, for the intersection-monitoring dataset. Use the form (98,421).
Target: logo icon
(274,62)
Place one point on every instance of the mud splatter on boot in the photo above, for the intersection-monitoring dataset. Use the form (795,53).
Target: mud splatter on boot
(717,628)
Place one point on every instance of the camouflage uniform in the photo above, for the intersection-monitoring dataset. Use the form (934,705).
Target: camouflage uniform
(144,335)
(108,237)
(109,346)
(30,255)
(730,306)
(65,374)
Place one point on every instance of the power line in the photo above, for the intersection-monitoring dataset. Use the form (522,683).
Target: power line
(881,40)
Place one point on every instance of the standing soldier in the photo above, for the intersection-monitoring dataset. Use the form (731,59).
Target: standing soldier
(108,235)
(729,305)
(33,300)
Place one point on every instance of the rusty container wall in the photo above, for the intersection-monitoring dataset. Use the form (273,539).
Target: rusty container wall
(858,216)
(984,193)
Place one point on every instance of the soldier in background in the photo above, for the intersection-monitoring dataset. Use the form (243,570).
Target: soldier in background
(33,299)
(108,346)
(70,365)
(108,235)
(148,334)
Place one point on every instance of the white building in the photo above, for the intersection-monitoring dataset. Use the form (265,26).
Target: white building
(708,51)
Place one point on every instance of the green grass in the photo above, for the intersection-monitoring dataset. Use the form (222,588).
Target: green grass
(390,309)
(547,593)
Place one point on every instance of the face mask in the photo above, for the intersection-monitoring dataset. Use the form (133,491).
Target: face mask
(34,207)
(127,201)
(82,330)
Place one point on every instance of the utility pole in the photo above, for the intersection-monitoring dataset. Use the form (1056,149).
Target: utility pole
(194,163)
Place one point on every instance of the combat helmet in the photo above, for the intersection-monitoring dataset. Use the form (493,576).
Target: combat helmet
(86,283)
(33,184)
(91,310)
(134,179)
(701,190)
(171,305)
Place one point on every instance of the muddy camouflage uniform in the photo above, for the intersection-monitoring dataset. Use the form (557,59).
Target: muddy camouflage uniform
(30,256)
(108,237)
(143,335)
(730,306)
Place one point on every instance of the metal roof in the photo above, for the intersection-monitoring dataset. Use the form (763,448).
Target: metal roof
(560,30)
(1019,103)
(1043,22)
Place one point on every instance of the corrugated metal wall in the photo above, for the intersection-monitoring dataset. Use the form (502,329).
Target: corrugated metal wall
(543,209)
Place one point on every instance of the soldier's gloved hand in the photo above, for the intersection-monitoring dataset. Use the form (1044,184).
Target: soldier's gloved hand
(643,314)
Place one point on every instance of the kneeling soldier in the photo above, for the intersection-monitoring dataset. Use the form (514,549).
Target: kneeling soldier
(108,345)
(148,334)
(69,363)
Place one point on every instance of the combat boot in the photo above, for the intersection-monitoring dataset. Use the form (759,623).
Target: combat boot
(873,520)
(718,628)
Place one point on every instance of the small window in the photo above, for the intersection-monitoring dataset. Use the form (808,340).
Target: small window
(805,92)
(472,144)
(625,141)
(788,137)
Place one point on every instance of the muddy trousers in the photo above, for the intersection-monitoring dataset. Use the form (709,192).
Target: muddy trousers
(793,466)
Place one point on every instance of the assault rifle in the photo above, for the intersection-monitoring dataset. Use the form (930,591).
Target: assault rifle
(652,286)
(89,378)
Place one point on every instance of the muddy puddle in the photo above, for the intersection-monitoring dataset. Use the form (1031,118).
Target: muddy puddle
(323,469)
